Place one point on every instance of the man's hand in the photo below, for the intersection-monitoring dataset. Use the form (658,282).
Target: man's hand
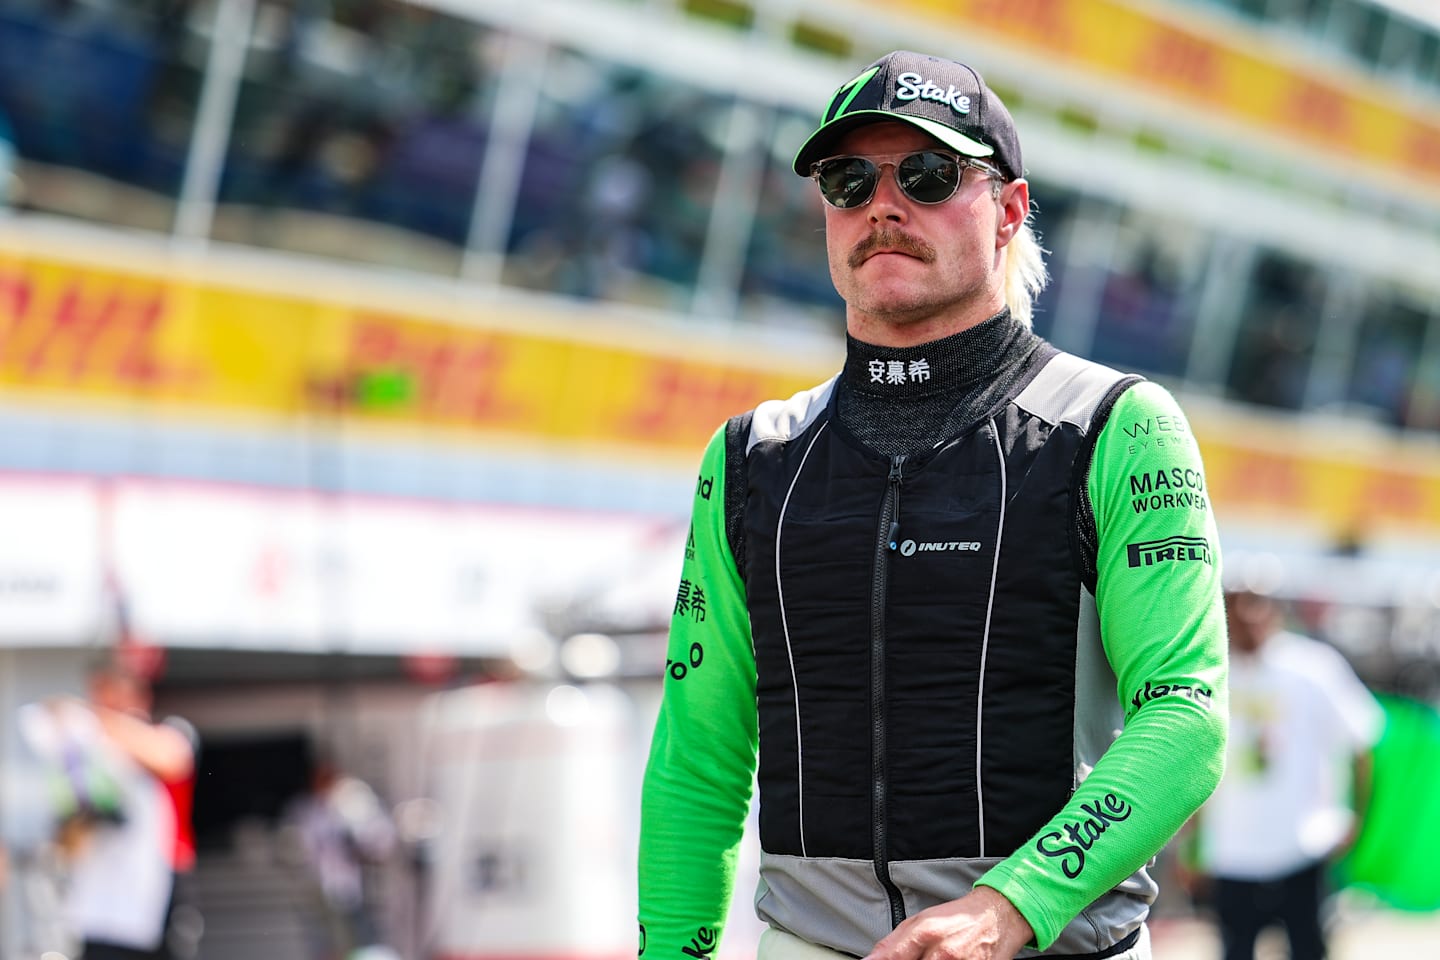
(981,925)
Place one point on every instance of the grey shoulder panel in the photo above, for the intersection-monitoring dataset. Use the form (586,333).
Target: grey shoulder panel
(1070,389)
(787,419)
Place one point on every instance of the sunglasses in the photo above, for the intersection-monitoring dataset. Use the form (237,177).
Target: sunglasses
(926,176)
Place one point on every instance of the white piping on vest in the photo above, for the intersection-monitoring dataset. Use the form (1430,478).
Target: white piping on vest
(785,629)
(985,641)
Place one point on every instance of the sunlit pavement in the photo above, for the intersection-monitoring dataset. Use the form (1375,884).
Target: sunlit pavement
(1356,934)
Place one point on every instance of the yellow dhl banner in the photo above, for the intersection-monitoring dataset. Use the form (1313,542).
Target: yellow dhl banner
(1383,493)
(105,335)
(76,334)
(1235,78)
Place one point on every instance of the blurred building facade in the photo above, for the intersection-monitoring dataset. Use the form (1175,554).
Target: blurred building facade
(353,348)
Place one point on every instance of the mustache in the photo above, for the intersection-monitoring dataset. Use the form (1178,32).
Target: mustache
(890,239)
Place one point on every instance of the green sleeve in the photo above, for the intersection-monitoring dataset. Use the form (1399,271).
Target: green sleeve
(1162,623)
(698,781)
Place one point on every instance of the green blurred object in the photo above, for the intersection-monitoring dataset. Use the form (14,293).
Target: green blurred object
(1397,855)
(385,389)
(85,788)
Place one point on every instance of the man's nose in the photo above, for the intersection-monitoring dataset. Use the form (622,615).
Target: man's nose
(889,203)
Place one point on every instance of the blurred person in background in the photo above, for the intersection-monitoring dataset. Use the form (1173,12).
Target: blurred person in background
(341,826)
(1297,778)
(915,591)
(112,767)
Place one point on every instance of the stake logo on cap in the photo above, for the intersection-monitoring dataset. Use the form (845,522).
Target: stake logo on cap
(944,98)
(912,85)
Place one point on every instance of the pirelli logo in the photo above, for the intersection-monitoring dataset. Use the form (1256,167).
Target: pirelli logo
(1169,550)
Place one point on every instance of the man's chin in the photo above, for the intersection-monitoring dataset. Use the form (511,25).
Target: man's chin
(895,311)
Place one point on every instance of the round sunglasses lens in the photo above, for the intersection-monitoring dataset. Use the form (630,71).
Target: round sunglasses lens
(847,181)
(928,177)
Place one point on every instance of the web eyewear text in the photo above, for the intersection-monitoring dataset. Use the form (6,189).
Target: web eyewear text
(925,176)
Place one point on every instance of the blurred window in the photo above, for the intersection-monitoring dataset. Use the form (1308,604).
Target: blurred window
(1392,336)
(1427,59)
(7,162)
(359,133)
(617,185)
(787,271)
(1290,13)
(1403,46)
(1124,282)
(1424,413)
(1275,343)
(1148,298)
(100,98)
(1055,209)
(1363,31)
(1320,12)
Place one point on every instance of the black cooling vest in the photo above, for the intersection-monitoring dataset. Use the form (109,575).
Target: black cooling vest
(915,624)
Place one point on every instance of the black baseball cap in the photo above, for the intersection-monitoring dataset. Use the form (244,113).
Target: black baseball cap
(945,98)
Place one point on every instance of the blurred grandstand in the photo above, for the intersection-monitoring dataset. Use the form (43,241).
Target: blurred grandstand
(355,348)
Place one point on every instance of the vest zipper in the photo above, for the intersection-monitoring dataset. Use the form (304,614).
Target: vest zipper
(889,540)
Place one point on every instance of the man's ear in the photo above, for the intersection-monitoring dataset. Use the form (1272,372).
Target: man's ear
(1014,208)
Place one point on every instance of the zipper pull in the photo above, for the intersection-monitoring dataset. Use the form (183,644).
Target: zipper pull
(896,474)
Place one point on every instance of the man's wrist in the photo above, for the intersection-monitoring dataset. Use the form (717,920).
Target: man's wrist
(1015,930)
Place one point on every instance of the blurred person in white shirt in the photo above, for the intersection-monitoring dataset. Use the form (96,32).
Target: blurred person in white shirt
(117,823)
(1297,777)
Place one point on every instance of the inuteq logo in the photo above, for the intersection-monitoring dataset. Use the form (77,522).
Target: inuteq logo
(909,548)
(912,86)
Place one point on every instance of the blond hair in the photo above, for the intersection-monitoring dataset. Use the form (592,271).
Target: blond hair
(1025,273)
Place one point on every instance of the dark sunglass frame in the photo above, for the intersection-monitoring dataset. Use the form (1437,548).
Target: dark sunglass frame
(924,176)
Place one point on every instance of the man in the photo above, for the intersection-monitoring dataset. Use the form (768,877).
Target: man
(923,584)
(341,826)
(1296,781)
(121,825)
